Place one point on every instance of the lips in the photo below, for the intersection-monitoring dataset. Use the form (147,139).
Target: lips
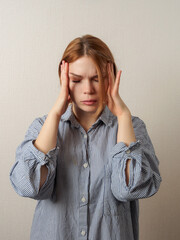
(91,100)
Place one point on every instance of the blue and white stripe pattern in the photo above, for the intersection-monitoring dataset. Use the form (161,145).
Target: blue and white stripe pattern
(85,195)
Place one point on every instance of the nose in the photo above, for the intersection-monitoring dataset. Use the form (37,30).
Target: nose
(88,87)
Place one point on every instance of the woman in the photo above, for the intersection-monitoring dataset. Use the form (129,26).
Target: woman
(89,160)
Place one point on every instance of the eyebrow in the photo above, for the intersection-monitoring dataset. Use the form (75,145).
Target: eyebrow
(81,76)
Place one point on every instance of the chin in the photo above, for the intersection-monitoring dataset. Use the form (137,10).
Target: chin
(86,108)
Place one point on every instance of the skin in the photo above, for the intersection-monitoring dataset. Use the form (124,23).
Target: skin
(115,102)
(83,88)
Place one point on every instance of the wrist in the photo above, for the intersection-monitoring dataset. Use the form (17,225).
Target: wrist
(125,114)
(53,113)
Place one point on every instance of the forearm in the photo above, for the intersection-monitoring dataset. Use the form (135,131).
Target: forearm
(47,139)
(126,134)
(125,129)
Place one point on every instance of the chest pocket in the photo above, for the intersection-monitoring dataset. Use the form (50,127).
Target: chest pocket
(112,206)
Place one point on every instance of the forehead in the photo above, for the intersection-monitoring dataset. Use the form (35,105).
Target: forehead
(83,66)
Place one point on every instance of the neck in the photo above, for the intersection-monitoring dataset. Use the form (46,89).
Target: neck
(85,119)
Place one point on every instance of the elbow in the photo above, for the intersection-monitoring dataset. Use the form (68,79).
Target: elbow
(154,186)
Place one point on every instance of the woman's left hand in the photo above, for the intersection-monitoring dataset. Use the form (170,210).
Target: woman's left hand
(114,101)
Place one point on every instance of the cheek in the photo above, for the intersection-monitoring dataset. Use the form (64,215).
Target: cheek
(73,90)
(71,87)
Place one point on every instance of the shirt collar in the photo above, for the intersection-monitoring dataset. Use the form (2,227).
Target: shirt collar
(105,117)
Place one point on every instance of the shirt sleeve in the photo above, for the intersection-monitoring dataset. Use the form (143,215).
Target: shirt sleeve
(144,178)
(25,173)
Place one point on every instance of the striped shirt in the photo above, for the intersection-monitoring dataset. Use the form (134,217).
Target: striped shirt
(85,195)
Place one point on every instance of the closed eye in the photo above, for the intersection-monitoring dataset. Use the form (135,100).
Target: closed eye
(96,80)
(75,81)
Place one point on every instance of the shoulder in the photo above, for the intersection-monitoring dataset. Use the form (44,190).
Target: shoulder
(37,123)
(136,121)
(40,120)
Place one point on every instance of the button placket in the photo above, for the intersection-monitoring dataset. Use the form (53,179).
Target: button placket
(84,188)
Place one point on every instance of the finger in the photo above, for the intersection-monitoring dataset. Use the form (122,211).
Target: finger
(62,67)
(67,70)
(109,94)
(64,74)
(67,73)
(110,76)
(61,73)
(112,72)
(117,81)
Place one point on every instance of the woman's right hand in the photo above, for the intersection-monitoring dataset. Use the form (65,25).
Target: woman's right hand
(64,97)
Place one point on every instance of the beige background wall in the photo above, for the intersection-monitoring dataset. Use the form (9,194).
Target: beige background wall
(144,38)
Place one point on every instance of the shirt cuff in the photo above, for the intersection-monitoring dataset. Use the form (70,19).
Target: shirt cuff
(122,147)
(42,157)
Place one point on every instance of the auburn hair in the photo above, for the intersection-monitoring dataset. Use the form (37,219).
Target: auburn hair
(100,54)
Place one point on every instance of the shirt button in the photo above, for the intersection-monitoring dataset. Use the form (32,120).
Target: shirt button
(85,165)
(128,151)
(85,136)
(83,233)
(83,199)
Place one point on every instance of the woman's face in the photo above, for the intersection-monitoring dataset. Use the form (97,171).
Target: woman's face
(83,85)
